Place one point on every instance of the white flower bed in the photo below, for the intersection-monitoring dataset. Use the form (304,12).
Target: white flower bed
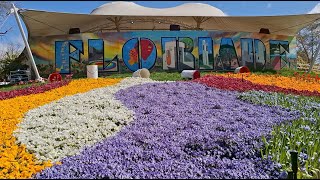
(62,128)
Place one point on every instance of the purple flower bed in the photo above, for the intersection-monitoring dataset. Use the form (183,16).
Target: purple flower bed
(181,130)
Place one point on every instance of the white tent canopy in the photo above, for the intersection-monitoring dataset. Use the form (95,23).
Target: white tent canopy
(130,8)
(128,16)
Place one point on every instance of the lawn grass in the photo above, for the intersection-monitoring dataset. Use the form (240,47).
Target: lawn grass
(10,87)
(284,72)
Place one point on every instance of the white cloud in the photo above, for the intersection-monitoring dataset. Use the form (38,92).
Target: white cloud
(316,9)
(269,5)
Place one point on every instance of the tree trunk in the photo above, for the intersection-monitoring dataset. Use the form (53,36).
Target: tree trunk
(314,57)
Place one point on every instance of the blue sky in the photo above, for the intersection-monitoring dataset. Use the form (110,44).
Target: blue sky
(231,8)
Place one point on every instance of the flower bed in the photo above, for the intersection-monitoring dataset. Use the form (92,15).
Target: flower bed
(15,160)
(32,90)
(139,128)
(181,130)
(298,83)
(237,84)
(62,128)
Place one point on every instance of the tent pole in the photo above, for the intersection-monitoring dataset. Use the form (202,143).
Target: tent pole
(14,10)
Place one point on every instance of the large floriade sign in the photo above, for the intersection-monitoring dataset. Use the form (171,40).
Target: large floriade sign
(163,50)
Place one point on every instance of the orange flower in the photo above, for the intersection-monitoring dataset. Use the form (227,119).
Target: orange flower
(280,81)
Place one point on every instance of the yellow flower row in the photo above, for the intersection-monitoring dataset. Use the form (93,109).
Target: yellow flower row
(15,160)
(280,81)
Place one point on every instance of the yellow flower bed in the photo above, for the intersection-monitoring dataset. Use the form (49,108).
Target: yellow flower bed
(280,81)
(15,161)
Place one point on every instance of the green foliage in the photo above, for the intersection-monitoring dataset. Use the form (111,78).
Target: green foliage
(11,87)
(269,71)
(174,76)
(10,62)
(283,72)
(290,72)
(118,75)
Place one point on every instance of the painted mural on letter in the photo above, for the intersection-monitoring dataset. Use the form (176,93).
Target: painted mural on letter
(162,51)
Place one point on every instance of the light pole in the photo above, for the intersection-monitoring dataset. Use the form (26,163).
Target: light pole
(14,10)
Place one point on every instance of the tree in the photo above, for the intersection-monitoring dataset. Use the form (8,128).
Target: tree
(10,61)
(308,44)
